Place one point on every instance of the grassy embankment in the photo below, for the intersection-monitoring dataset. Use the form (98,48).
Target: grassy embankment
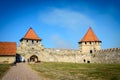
(72,71)
(3,69)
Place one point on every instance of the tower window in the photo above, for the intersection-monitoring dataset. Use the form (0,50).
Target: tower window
(85,42)
(84,60)
(32,42)
(91,51)
(90,42)
(26,40)
(37,41)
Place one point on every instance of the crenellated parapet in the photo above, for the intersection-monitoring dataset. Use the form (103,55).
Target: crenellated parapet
(61,51)
(89,51)
(111,55)
(107,50)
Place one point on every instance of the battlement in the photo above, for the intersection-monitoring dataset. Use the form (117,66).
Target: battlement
(108,50)
(111,55)
(89,50)
(61,51)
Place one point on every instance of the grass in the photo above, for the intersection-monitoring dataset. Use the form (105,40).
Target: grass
(72,71)
(3,69)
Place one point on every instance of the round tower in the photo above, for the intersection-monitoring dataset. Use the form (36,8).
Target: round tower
(89,43)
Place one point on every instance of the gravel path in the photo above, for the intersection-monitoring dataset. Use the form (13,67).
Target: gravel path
(21,72)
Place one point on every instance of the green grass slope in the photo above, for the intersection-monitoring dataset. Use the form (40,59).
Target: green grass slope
(3,69)
(73,71)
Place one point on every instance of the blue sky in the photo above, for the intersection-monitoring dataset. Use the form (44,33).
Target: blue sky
(61,23)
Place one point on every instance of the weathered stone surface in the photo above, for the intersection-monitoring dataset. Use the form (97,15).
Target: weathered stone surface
(7,59)
(88,52)
(68,55)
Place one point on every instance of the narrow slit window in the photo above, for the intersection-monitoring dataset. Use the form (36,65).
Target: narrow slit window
(32,42)
(91,51)
(90,42)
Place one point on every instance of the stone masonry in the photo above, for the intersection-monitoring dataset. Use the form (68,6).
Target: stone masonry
(89,50)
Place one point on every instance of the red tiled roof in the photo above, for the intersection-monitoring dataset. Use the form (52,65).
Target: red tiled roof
(90,36)
(7,48)
(31,35)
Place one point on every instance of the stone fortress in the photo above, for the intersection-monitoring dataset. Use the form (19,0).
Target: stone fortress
(89,50)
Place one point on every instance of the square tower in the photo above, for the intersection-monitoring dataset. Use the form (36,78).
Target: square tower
(89,43)
(30,43)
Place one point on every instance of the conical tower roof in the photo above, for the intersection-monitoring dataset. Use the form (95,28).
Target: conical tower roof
(31,35)
(90,36)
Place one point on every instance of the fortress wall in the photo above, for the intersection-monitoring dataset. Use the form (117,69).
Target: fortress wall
(111,55)
(60,55)
(70,55)
(85,54)
(65,55)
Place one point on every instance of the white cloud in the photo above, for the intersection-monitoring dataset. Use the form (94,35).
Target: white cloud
(66,18)
(60,42)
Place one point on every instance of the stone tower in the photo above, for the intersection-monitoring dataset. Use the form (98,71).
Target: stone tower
(89,43)
(30,44)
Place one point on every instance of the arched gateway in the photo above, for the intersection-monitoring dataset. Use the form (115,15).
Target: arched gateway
(34,58)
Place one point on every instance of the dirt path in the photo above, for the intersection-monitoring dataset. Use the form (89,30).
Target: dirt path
(21,72)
